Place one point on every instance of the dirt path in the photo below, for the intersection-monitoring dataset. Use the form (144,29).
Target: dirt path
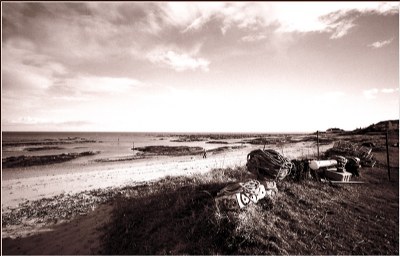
(81,236)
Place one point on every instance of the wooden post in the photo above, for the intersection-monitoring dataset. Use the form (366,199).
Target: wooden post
(318,145)
(387,154)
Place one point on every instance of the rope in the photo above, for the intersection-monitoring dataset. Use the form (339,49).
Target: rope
(269,160)
(239,195)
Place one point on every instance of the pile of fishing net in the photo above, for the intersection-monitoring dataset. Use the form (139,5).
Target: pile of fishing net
(268,163)
(301,171)
(350,150)
(239,195)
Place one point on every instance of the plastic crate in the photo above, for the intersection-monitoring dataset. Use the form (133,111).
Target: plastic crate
(338,176)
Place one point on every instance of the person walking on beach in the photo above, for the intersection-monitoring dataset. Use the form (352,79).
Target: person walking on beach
(205,154)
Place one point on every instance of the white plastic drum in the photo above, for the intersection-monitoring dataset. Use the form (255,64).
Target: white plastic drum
(316,164)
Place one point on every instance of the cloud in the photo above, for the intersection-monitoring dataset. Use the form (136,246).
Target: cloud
(253,38)
(373,93)
(333,95)
(30,120)
(290,17)
(29,69)
(26,69)
(193,16)
(380,44)
(35,120)
(91,89)
(335,18)
(390,90)
(179,62)
(42,124)
(95,84)
(94,32)
(342,28)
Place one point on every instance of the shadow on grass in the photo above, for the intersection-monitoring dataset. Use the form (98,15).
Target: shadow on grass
(178,216)
(171,222)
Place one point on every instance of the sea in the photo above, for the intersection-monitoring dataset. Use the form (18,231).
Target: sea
(109,145)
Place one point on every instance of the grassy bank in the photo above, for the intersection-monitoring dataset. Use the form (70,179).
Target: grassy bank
(178,216)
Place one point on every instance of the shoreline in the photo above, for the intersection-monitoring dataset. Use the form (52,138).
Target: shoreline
(102,176)
(89,187)
(19,186)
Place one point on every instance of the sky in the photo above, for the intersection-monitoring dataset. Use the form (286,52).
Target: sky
(198,66)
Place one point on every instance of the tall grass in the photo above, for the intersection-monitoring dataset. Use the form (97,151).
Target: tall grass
(177,215)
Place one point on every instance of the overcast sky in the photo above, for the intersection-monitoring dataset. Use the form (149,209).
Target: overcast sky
(199,66)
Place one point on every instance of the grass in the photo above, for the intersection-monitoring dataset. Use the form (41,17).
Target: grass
(178,216)
(381,157)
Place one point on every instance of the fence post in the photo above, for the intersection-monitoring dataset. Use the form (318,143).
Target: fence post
(318,145)
(387,154)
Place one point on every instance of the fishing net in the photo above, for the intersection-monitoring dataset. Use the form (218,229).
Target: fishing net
(301,171)
(348,149)
(240,195)
(268,163)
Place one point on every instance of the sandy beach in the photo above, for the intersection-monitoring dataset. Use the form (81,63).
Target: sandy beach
(17,189)
(21,186)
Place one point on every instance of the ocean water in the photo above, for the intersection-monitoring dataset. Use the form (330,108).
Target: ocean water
(109,144)
(19,143)
(115,150)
